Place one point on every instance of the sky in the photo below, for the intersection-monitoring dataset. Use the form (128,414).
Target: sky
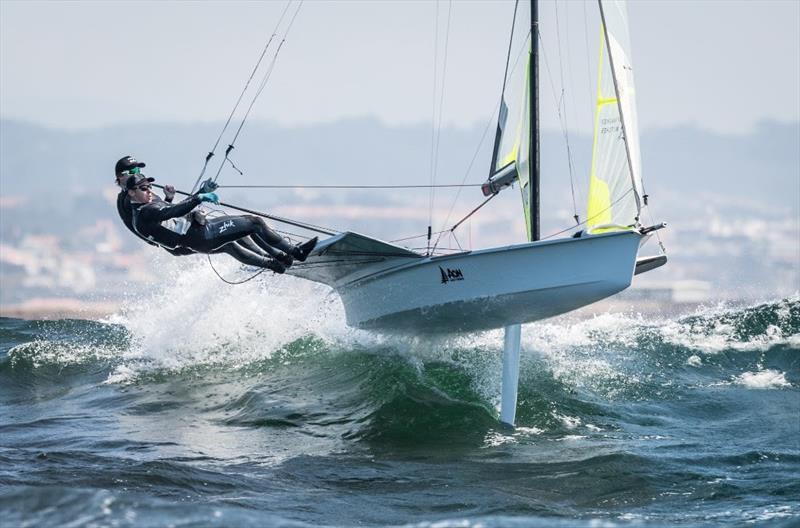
(719,65)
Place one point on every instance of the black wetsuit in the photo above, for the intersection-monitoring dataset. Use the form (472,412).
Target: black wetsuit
(125,210)
(215,236)
(244,250)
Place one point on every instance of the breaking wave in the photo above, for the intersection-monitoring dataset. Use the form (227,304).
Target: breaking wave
(393,388)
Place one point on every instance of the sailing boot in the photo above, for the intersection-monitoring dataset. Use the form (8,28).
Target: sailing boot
(285,259)
(301,251)
(275,266)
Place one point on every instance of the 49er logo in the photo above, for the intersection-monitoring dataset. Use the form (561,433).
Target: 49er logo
(451,275)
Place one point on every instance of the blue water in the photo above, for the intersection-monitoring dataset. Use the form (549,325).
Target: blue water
(241,415)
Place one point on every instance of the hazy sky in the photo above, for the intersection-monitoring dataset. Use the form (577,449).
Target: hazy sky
(718,64)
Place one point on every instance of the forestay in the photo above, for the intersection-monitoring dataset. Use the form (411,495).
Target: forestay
(615,187)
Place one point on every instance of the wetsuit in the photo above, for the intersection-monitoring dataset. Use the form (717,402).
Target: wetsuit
(215,236)
(244,250)
(125,210)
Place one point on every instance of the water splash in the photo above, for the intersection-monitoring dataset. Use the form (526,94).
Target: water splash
(764,379)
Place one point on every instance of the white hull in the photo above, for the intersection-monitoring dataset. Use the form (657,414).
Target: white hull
(489,288)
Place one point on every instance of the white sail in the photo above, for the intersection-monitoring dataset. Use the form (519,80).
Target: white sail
(615,187)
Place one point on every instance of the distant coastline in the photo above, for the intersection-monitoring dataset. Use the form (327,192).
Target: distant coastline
(50,308)
(54,308)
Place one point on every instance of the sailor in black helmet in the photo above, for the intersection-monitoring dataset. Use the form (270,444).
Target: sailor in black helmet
(125,168)
(161,223)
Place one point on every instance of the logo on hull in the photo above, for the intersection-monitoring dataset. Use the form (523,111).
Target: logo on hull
(451,275)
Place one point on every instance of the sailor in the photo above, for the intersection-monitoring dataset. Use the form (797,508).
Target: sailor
(160,222)
(244,249)
(125,168)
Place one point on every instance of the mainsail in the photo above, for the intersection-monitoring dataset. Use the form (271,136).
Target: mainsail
(615,185)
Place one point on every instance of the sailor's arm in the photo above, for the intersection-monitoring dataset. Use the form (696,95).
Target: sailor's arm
(159,214)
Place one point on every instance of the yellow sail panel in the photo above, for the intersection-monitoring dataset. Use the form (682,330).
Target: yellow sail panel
(611,204)
(511,157)
(599,208)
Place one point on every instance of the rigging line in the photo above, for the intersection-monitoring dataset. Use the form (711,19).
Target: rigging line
(241,95)
(438,124)
(494,112)
(416,236)
(658,235)
(441,94)
(585,222)
(466,174)
(439,186)
(296,223)
(454,237)
(588,62)
(232,283)
(473,212)
(563,106)
(508,53)
(581,169)
(523,48)
(433,107)
(561,121)
(261,87)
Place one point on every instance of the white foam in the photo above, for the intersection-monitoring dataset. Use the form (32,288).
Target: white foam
(570,422)
(43,352)
(191,318)
(763,379)
(709,330)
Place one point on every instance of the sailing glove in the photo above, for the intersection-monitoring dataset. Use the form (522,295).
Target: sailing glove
(209,197)
(208,186)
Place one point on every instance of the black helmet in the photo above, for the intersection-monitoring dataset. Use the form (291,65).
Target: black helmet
(136,180)
(127,163)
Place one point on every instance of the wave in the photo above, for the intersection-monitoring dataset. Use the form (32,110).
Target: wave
(286,340)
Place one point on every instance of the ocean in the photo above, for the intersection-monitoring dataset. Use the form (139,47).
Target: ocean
(201,404)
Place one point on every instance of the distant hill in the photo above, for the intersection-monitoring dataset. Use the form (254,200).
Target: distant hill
(680,164)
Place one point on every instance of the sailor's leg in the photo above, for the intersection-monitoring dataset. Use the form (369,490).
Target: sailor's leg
(223,230)
(220,231)
(248,244)
(271,238)
(245,256)
(267,238)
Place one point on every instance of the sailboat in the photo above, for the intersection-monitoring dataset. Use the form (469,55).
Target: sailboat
(390,288)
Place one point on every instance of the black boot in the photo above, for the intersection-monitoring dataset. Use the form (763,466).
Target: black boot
(300,252)
(275,266)
(285,259)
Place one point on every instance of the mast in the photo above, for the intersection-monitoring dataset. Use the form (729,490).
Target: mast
(505,176)
(533,164)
